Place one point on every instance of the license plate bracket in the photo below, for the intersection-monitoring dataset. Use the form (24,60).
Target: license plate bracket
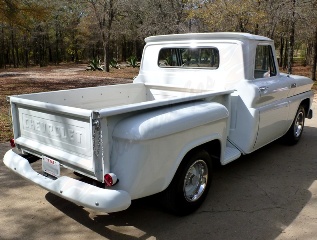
(51,166)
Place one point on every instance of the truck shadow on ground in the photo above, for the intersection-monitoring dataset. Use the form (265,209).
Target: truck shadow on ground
(255,197)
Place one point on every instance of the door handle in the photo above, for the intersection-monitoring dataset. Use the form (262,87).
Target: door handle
(293,85)
(263,89)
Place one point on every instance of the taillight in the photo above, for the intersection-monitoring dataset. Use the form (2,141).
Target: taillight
(110,179)
(12,143)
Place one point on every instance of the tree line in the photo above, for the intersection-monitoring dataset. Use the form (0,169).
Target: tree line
(50,32)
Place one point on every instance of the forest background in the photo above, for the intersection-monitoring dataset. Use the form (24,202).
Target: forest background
(48,32)
(41,42)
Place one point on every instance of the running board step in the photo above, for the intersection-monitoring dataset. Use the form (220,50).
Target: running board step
(231,154)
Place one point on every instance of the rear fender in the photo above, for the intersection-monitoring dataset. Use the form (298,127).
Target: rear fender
(149,147)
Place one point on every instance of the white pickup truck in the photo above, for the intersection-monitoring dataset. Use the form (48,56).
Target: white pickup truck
(199,99)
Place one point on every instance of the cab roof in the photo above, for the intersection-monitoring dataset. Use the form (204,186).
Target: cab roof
(205,36)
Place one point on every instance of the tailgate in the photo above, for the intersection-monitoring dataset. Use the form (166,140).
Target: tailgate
(59,132)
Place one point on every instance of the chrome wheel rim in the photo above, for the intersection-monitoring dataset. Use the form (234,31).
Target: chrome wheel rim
(299,124)
(195,181)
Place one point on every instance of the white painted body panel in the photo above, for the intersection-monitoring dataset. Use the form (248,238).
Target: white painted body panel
(146,128)
(147,137)
(229,72)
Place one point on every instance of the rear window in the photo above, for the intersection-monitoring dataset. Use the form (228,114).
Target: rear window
(189,58)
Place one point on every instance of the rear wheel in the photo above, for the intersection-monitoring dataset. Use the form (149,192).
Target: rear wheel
(190,184)
(295,132)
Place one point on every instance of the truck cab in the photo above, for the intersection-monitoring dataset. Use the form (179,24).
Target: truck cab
(264,101)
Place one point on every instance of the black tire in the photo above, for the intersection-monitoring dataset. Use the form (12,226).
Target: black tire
(294,134)
(177,198)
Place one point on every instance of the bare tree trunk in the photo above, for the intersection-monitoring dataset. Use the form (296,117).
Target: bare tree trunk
(35,51)
(57,45)
(281,51)
(291,40)
(256,30)
(124,50)
(134,48)
(308,55)
(109,27)
(17,55)
(26,52)
(106,56)
(2,50)
(12,48)
(42,49)
(285,55)
(105,40)
(76,51)
(313,71)
(62,56)
(190,25)
(105,20)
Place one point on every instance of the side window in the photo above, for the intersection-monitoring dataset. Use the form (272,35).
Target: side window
(189,58)
(264,62)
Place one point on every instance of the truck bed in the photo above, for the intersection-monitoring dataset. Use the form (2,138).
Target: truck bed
(60,124)
(97,98)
